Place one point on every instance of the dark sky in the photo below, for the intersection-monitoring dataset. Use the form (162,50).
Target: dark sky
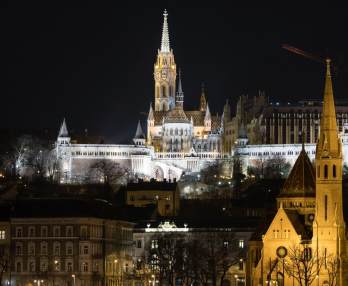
(92,63)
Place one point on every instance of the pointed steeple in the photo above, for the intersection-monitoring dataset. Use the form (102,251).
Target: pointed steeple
(150,116)
(203,102)
(165,47)
(328,143)
(207,116)
(139,134)
(63,131)
(179,93)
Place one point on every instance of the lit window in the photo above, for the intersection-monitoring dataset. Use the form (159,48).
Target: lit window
(241,243)
(2,234)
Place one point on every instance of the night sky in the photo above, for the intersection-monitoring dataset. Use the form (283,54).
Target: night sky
(93,63)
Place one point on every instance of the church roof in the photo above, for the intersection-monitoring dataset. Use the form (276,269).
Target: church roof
(301,180)
(197,116)
(63,132)
(139,134)
(176,115)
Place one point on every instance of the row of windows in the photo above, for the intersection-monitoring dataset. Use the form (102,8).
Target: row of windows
(43,267)
(56,231)
(267,153)
(56,248)
(326,171)
(100,153)
(281,233)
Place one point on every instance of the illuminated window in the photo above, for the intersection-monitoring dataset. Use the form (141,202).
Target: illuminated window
(2,234)
(241,243)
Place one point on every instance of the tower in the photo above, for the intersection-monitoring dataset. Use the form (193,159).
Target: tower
(329,225)
(179,93)
(202,101)
(165,72)
(207,120)
(139,138)
(63,135)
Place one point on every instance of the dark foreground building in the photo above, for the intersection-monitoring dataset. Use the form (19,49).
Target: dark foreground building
(66,242)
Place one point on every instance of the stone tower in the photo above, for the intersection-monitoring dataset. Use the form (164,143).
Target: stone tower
(329,226)
(165,72)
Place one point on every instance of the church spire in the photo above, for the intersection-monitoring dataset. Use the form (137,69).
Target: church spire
(203,101)
(63,131)
(180,93)
(139,134)
(150,116)
(328,144)
(165,47)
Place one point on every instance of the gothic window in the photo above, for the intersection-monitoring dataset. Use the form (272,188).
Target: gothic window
(334,171)
(326,171)
(170,91)
(164,94)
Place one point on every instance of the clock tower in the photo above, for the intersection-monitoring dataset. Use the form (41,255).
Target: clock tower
(165,72)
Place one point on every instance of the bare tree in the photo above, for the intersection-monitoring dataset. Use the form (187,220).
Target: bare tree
(4,264)
(331,266)
(106,171)
(302,265)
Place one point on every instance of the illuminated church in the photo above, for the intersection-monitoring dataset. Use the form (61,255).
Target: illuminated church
(180,141)
(177,140)
(305,242)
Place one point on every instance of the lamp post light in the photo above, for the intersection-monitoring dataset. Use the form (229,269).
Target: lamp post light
(38,282)
(55,269)
(73,277)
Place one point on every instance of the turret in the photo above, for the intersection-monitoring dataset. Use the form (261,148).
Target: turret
(139,138)
(207,120)
(179,101)
(150,124)
(63,135)
(202,101)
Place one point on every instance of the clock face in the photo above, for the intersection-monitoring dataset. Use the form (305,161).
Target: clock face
(282,251)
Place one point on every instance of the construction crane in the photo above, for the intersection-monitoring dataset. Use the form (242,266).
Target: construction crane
(303,53)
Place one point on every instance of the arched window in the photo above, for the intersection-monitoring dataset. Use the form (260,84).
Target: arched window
(325,207)
(334,171)
(170,91)
(164,94)
(326,171)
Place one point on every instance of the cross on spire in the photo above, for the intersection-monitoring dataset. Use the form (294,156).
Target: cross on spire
(165,46)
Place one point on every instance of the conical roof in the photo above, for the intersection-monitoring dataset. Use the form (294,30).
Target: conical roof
(301,180)
(242,133)
(63,131)
(328,143)
(139,134)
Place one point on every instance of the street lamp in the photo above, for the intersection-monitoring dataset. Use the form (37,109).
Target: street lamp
(38,282)
(73,277)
